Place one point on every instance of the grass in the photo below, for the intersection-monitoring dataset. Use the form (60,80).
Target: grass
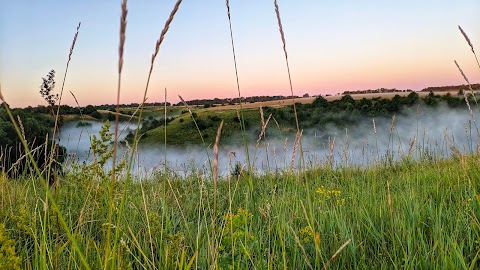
(208,122)
(431,221)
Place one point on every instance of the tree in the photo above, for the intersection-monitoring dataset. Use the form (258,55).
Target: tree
(47,87)
(89,109)
(96,114)
(320,102)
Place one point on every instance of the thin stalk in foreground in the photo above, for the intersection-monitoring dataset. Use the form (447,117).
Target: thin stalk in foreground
(242,120)
(135,139)
(123,27)
(57,115)
(469,44)
(199,132)
(282,34)
(215,179)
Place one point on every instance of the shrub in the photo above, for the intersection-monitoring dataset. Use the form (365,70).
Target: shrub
(96,114)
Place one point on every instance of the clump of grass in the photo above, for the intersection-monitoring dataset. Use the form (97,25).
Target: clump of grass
(351,221)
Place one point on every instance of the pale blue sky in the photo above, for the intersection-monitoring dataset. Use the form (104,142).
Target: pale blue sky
(333,46)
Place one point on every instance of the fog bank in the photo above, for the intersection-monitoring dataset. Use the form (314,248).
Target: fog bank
(416,131)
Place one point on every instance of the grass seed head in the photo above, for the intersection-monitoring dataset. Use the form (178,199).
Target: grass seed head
(466,38)
(123,28)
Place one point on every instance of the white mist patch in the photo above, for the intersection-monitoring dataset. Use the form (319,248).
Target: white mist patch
(77,139)
(416,131)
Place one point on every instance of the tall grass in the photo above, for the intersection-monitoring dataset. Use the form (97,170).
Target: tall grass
(401,213)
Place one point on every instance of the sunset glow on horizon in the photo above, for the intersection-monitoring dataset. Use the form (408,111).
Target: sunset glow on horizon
(332,47)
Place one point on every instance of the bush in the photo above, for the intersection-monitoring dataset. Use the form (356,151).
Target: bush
(96,114)
(214,118)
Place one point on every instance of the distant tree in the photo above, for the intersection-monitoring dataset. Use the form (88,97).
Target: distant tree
(320,102)
(412,98)
(111,117)
(96,114)
(430,99)
(47,87)
(89,109)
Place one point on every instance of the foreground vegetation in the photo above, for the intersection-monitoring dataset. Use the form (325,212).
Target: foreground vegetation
(422,215)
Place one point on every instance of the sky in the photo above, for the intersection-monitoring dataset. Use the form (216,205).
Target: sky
(333,46)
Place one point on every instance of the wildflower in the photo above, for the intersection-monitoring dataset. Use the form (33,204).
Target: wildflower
(307,235)
(8,256)
(333,195)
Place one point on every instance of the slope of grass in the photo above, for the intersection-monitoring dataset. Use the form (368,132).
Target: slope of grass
(408,215)
(183,131)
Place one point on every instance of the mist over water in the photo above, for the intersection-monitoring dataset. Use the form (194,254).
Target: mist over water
(416,131)
(77,139)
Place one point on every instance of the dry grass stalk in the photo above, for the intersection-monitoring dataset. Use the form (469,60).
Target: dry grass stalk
(276,123)
(185,104)
(123,28)
(164,32)
(46,149)
(466,96)
(227,3)
(392,126)
(469,85)
(230,154)
(390,204)
(295,146)
(57,115)
(239,117)
(261,116)
(262,132)
(412,143)
(21,126)
(282,35)
(74,42)
(336,253)
(25,156)
(215,153)
(66,69)
(463,74)
(215,179)
(469,43)
(332,148)
(1,96)
(154,55)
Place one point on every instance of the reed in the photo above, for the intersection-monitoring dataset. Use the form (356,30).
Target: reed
(282,35)
(241,116)
(123,28)
(469,43)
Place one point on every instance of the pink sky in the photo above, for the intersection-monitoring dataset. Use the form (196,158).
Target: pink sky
(332,47)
